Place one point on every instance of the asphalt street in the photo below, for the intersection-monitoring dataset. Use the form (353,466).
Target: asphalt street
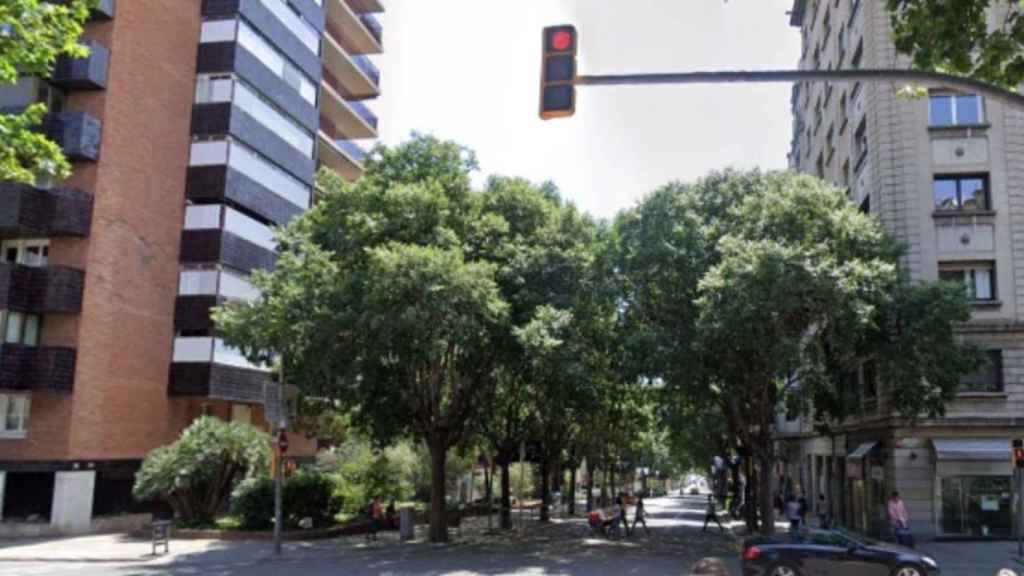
(563,547)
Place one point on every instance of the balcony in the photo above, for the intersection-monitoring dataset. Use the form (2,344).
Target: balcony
(342,156)
(89,73)
(350,76)
(356,33)
(37,369)
(27,212)
(343,119)
(208,368)
(104,9)
(218,246)
(77,133)
(364,6)
(45,289)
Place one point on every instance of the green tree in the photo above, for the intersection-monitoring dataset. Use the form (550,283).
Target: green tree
(777,268)
(383,300)
(197,472)
(954,37)
(33,33)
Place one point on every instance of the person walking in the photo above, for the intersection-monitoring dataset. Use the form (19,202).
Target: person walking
(899,520)
(802,501)
(793,515)
(375,516)
(639,516)
(625,515)
(712,514)
(822,511)
(617,515)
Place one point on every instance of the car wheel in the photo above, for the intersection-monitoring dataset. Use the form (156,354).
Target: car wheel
(908,570)
(783,570)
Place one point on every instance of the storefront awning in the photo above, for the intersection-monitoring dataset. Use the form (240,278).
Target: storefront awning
(862,450)
(979,449)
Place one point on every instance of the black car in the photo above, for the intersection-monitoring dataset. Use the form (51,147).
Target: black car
(833,552)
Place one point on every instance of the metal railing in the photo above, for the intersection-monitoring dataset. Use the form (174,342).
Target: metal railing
(363,112)
(367,67)
(355,151)
(373,26)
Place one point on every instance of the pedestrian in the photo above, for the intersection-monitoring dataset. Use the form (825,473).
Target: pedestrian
(639,516)
(899,520)
(793,515)
(823,512)
(779,505)
(623,512)
(802,501)
(375,516)
(391,516)
(617,515)
(712,514)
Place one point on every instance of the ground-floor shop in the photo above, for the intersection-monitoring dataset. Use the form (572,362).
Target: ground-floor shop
(955,483)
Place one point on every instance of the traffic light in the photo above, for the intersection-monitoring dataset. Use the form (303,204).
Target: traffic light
(1018,452)
(558,72)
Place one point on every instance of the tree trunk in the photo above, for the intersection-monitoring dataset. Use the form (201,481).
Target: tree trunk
(545,492)
(765,496)
(506,496)
(604,488)
(438,519)
(611,472)
(590,487)
(572,491)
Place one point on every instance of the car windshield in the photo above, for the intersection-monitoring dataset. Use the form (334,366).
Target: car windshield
(854,537)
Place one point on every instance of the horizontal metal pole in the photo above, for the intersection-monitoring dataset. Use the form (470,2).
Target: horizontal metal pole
(915,77)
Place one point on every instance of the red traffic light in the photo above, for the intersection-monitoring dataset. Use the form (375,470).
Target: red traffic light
(561,40)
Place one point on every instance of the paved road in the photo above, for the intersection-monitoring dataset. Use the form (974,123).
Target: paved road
(564,547)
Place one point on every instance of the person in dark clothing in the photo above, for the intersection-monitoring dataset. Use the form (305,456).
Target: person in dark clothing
(712,515)
(638,516)
(802,502)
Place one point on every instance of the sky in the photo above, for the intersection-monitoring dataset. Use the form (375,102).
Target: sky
(469,71)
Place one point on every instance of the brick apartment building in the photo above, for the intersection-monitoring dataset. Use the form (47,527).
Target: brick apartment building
(944,174)
(194,127)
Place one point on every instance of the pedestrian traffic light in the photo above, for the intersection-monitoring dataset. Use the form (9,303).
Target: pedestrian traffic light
(558,72)
(1018,452)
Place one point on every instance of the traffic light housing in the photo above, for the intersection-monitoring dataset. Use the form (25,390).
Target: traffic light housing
(558,72)
(1018,452)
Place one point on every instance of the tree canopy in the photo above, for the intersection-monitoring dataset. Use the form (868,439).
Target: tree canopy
(982,39)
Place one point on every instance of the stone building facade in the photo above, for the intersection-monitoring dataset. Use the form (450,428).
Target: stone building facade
(945,174)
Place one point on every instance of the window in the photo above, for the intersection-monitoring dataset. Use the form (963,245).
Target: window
(865,206)
(978,279)
(860,144)
(843,115)
(13,415)
(841,39)
(253,165)
(988,378)
(961,192)
(830,144)
(19,328)
(26,252)
(818,115)
(827,22)
(955,109)
(241,413)
(858,55)
(846,173)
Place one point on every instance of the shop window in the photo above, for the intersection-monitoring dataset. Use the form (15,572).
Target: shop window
(978,506)
(988,378)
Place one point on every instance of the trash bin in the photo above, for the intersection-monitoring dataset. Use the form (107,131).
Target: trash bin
(407,523)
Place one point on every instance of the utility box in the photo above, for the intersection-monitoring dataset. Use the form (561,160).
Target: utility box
(407,523)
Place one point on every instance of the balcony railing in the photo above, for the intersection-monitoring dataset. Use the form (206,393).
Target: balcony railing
(367,67)
(89,73)
(32,368)
(364,112)
(42,289)
(354,150)
(371,23)
(77,133)
(27,212)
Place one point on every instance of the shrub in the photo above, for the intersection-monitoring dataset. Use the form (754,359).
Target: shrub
(253,503)
(310,493)
(307,493)
(196,473)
